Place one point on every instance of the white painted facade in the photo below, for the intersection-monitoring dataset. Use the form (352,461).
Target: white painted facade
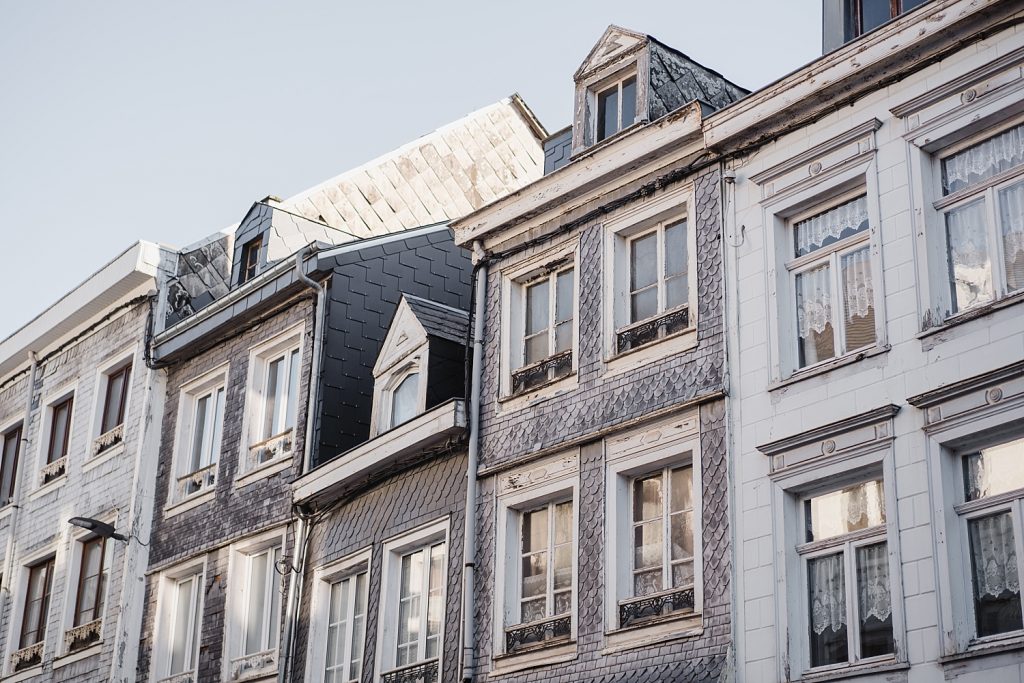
(903,409)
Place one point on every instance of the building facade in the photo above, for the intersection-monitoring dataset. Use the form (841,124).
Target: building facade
(873,240)
(603,546)
(76,405)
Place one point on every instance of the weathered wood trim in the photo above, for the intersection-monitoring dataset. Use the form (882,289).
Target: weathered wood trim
(818,150)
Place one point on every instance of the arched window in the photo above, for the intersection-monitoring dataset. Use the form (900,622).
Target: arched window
(404,403)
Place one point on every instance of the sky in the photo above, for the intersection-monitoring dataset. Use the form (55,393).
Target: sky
(129,120)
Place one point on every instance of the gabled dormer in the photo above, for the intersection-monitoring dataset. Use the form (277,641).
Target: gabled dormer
(630,78)
(421,363)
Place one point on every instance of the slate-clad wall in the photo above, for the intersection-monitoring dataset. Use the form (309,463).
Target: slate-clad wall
(677,80)
(421,495)
(600,403)
(365,289)
(234,513)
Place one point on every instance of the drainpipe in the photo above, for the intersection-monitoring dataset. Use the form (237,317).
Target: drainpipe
(469,544)
(284,671)
(23,447)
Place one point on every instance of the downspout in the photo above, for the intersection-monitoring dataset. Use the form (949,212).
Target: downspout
(284,671)
(469,543)
(23,447)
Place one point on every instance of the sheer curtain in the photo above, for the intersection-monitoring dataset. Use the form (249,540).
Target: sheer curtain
(813,301)
(994,555)
(873,582)
(828,594)
(1011,213)
(970,263)
(832,225)
(984,160)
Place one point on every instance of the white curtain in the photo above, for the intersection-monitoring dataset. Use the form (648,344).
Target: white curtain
(828,594)
(860,293)
(851,217)
(995,556)
(1011,210)
(813,301)
(969,254)
(989,158)
(873,582)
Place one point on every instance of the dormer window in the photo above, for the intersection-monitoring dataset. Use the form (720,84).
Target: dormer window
(250,259)
(404,399)
(616,108)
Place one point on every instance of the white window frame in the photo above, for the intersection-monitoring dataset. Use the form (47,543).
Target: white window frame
(281,446)
(628,457)
(237,605)
(635,63)
(654,213)
(17,421)
(49,402)
(513,311)
(72,572)
(387,631)
(598,88)
(118,362)
(189,396)
(20,585)
(790,488)
(779,213)
(167,582)
(557,480)
(323,579)
(415,365)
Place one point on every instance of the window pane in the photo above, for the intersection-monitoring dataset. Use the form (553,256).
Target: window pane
(873,601)
(257,599)
(535,530)
(681,530)
(9,466)
(647,498)
(1011,218)
(563,523)
(409,608)
(404,400)
(643,305)
(970,264)
(826,590)
(607,113)
(858,299)
(537,307)
(628,102)
(563,602)
(532,610)
(647,551)
(183,614)
(828,227)
(994,470)
(293,391)
(358,628)
(675,249)
(983,160)
(563,296)
(994,572)
(816,338)
(217,416)
(112,405)
(435,600)
(59,431)
(682,489)
(563,567)
(272,408)
(536,348)
(841,512)
(643,261)
(199,433)
(874,13)
(682,574)
(535,571)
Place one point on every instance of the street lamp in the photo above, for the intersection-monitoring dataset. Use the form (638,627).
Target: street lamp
(97,527)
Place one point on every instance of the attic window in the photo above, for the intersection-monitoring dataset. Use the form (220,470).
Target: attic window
(862,16)
(616,108)
(250,259)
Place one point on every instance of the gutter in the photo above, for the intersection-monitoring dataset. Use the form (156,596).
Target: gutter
(469,543)
(295,577)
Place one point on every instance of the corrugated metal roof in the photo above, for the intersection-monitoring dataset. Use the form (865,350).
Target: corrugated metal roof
(439,320)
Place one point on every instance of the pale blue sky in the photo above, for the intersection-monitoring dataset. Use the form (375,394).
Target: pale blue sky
(135,120)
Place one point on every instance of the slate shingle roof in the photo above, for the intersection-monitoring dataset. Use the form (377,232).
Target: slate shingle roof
(439,320)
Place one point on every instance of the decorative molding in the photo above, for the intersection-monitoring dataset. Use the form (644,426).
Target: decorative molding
(421,672)
(254,666)
(27,657)
(274,448)
(812,156)
(108,439)
(933,397)
(829,430)
(957,85)
(82,636)
(201,480)
(538,634)
(547,471)
(653,606)
(51,471)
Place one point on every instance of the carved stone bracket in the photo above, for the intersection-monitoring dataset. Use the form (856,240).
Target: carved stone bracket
(27,657)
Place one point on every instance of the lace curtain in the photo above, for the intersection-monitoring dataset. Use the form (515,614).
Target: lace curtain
(828,595)
(984,160)
(832,225)
(813,301)
(1011,210)
(860,293)
(873,582)
(994,556)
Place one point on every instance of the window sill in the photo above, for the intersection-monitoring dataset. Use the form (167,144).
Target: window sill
(48,487)
(549,390)
(78,655)
(828,366)
(100,458)
(7,509)
(263,471)
(971,314)
(992,645)
(189,503)
(24,675)
(679,342)
(853,670)
(656,631)
(555,653)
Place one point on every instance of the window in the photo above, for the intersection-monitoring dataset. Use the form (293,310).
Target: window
(982,208)
(199,438)
(861,16)
(413,606)
(346,629)
(254,652)
(271,414)
(9,464)
(33,620)
(545,577)
(250,259)
(181,616)
(57,443)
(654,276)
(404,399)
(90,592)
(845,562)
(832,283)
(115,397)
(546,313)
(993,498)
(616,108)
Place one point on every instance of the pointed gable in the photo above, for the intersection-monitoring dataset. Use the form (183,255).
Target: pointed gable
(615,43)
